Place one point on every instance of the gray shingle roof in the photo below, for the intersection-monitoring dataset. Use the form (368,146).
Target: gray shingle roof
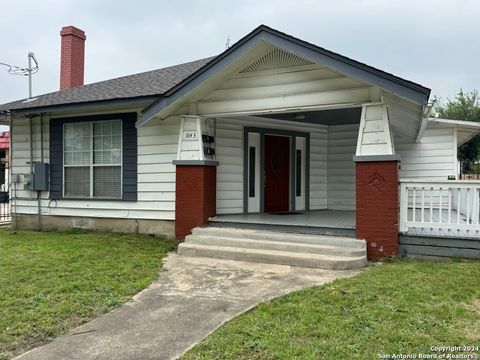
(154,82)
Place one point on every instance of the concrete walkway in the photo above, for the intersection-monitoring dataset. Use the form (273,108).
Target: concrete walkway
(193,297)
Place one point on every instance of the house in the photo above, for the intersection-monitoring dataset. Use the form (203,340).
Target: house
(273,134)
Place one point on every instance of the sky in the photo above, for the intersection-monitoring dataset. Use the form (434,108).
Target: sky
(432,42)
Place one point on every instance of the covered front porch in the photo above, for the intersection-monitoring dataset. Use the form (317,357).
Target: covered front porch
(286,163)
(278,133)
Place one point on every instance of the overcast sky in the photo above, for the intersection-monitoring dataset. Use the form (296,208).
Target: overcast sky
(432,42)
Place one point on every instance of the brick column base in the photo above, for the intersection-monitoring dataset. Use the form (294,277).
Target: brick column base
(195,197)
(377,207)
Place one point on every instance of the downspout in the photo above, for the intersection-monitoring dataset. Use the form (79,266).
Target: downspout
(30,123)
(426,112)
(10,175)
(39,213)
(39,192)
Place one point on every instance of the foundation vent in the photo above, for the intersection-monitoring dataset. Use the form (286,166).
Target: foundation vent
(274,59)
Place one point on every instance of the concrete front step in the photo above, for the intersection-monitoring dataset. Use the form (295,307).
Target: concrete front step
(254,234)
(303,250)
(297,247)
(273,257)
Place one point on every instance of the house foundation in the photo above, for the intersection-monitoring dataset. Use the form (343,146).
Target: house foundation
(161,228)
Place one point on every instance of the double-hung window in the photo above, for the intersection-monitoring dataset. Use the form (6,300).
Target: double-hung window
(92,159)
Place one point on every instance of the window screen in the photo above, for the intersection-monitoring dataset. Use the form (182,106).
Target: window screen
(77,181)
(77,138)
(106,180)
(107,145)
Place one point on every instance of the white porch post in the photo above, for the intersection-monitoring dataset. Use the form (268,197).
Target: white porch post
(196,175)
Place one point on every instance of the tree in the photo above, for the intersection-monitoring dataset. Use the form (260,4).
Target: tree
(465,106)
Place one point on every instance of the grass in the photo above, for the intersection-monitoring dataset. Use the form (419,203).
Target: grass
(52,282)
(399,307)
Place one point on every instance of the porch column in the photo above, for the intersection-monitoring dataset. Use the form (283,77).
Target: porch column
(377,176)
(377,206)
(196,175)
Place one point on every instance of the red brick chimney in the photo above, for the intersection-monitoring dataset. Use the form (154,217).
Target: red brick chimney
(72,58)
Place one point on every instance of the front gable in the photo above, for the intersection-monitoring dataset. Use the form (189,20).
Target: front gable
(268,71)
(280,81)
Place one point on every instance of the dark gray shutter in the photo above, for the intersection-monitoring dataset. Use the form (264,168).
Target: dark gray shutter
(56,158)
(130,180)
(129,147)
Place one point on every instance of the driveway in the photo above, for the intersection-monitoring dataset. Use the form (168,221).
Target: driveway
(189,300)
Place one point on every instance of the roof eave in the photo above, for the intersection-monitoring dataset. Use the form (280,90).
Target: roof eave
(90,105)
(472,128)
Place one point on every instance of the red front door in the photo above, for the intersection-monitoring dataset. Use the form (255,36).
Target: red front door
(277,173)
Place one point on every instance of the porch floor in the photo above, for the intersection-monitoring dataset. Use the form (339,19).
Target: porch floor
(315,219)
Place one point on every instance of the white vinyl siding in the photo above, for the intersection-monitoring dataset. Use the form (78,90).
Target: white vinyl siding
(229,154)
(287,87)
(342,142)
(318,167)
(157,148)
(434,157)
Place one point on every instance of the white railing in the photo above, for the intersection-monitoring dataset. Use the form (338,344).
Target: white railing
(446,208)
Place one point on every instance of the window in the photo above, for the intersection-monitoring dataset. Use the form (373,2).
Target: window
(92,159)
(251,172)
(298,173)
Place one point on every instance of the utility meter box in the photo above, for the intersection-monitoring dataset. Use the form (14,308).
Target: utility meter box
(41,175)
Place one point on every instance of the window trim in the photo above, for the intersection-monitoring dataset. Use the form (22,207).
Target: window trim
(92,164)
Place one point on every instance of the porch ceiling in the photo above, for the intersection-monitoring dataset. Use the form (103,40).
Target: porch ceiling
(322,117)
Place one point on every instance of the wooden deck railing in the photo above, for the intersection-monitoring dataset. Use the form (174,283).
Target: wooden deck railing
(446,208)
(470,177)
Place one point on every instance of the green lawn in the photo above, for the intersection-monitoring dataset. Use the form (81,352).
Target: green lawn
(52,282)
(399,307)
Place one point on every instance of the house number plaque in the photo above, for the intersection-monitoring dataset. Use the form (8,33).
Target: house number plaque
(190,135)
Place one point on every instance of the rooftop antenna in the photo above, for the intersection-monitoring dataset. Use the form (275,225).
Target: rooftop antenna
(31,56)
(227,44)
(17,70)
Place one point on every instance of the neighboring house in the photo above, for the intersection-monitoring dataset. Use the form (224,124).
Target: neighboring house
(4,156)
(274,131)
